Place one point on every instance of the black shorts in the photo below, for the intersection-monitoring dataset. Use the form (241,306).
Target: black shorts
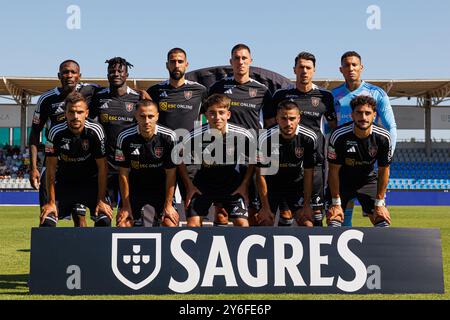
(366,195)
(139,200)
(233,205)
(285,201)
(77,195)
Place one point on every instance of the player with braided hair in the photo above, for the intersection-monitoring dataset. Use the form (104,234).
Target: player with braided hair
(114,107)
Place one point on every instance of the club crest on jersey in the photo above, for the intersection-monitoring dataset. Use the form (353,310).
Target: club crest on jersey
(85,145)
(159,152)
(252,92)
(188,95)
(373,150)
(129,107)
(299,152)
(315,101)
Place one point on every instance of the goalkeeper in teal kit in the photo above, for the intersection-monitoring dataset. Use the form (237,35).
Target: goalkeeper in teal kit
(351,68)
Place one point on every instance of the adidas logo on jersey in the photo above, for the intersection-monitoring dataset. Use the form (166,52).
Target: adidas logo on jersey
(59,110)
(65,147)
(352,149)
(163,95)
(135,152)
(229,91)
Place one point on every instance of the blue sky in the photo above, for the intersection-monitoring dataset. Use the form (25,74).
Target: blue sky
(413,42)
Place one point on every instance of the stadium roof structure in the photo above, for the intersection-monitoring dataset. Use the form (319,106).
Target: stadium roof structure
(429,93)
(436,90)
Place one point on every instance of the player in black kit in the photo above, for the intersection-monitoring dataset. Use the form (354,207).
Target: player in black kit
(114,107)
(76,168)
(179,100)
(147,174)
(289,148)
(50,110)
(251,107)
(352,152)
(218,147)
(316,104)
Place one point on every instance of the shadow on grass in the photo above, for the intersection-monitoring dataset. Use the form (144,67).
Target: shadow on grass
(14,281)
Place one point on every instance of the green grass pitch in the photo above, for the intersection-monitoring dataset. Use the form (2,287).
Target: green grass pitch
(15,231)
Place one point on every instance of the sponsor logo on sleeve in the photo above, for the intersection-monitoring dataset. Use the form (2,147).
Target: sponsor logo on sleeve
(119,156)
(49,148)
(36,119)
(331,153)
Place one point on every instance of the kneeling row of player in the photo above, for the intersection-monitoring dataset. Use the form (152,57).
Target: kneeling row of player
(217,167)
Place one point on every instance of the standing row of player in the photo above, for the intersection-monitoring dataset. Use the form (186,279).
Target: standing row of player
(177,104)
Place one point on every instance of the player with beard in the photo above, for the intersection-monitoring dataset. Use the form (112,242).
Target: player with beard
(251,108)
(50,111)
(317,106)
(296,146)
(114,107)
(351,68)
(353,150)
(76,168)
(179,101)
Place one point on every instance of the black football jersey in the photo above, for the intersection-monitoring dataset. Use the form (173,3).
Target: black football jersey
(217,173)
(50,109)
(115,114)
(147,159)
(76,154)
(289,156)
(315,105)
(358,156)
(251,102)
(178,107)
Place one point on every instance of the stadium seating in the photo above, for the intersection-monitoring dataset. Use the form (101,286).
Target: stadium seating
(413,170)
(14,167)
(410,170)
